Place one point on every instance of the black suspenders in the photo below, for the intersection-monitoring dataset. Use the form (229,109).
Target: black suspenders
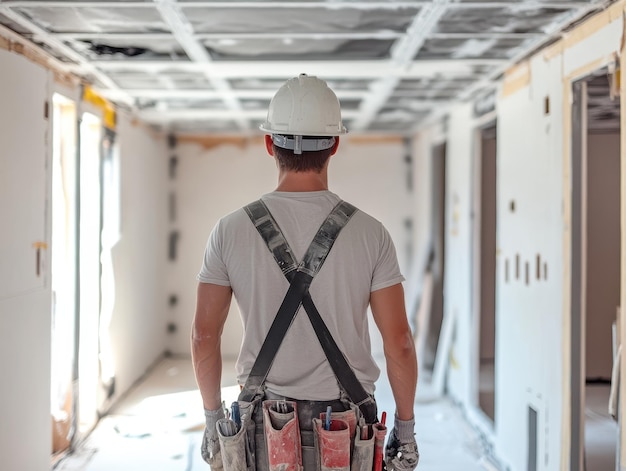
(300,276)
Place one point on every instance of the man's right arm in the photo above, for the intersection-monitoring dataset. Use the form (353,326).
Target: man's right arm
(213,303)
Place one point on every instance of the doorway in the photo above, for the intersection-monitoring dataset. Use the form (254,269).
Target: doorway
(90,244)
(596,209)
(64,269)
(486,192)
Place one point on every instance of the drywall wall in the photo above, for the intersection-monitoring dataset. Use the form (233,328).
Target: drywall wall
(529,359)
(603,251)
(214,181)
(25,433)
(138,323)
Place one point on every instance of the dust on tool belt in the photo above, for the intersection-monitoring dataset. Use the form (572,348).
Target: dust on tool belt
(342,440)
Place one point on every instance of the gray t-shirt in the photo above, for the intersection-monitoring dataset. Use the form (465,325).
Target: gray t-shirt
(362,260)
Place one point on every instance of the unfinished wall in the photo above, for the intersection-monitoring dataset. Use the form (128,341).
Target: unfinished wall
(214,181)
(25,434)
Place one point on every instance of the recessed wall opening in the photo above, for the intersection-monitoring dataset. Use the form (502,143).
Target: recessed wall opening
(486,291)
(595,267)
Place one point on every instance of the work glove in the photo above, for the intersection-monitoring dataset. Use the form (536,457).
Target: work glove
(210,442)
(401,453)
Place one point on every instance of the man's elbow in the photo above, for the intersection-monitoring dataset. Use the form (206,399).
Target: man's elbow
(401,347)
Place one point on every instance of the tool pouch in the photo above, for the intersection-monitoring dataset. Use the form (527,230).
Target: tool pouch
(349,416)
(332,446)
(363,451)
(237,451)
(379,439)
(245,451)
(282,435)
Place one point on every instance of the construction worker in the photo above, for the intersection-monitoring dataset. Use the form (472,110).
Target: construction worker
(303,128)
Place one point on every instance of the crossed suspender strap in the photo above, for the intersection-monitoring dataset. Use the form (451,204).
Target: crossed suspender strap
(300,276)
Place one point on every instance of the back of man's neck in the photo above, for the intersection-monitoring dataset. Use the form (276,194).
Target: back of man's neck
(302,181)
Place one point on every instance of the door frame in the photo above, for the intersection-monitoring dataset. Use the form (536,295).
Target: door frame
(477,415)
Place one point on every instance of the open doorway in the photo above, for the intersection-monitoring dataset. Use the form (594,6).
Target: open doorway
(595,267)
(90,271)
(64,270)
(486,169)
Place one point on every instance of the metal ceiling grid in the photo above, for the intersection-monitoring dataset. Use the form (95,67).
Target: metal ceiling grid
(213,66)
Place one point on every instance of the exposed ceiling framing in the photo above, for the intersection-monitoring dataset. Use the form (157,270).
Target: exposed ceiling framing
(213,66)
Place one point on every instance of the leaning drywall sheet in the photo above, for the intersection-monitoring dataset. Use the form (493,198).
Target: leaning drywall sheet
(421,181)
(458,240)
(529,267)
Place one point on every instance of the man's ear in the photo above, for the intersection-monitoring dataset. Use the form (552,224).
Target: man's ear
(335,146)
(269,145)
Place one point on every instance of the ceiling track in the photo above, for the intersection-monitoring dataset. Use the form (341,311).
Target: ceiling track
(488,83)
(84,67)
(183,32)
(402,55)
(292,4)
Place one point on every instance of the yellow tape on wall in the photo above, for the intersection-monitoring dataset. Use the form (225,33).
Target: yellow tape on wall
(109,116)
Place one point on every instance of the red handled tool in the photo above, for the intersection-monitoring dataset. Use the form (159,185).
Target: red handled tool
(379,432)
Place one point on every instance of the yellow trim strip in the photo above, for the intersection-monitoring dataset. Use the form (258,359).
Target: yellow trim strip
(109,114)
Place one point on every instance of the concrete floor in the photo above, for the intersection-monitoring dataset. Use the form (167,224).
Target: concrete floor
(158,425)
(600,430)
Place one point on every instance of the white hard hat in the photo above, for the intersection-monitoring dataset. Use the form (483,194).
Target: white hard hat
(304,106)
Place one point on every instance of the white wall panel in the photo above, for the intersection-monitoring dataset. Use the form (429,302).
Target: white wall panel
(603,44)
(529,309)
(25,423)
(23,131)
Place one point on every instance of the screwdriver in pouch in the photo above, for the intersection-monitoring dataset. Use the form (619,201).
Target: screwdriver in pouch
(234,412)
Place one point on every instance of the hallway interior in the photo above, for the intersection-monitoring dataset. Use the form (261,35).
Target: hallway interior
(158,425)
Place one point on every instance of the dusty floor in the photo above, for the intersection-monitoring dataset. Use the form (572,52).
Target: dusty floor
(158,426)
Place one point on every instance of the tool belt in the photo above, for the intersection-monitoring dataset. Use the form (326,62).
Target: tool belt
(276,433)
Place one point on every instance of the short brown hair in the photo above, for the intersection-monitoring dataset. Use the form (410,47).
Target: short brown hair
(306,162)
